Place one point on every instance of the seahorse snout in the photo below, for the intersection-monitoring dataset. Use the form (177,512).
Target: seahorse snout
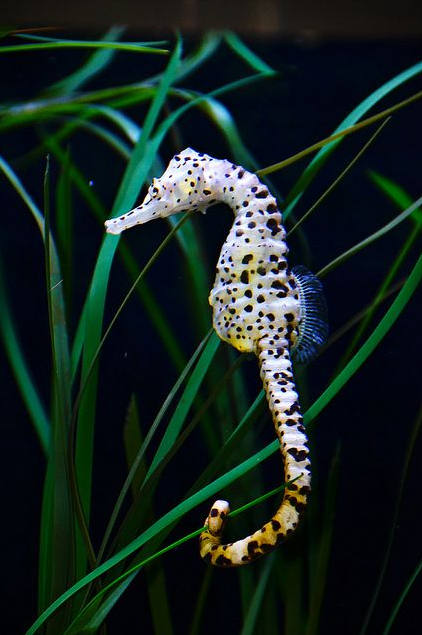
(150,208)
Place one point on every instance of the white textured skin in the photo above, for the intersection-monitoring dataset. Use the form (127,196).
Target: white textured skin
(256,308)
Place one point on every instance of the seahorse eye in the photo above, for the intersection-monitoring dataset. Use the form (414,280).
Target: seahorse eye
(154,188)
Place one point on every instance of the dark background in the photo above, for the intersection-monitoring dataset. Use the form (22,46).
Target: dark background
(320,82)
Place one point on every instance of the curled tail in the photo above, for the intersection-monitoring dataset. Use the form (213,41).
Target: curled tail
(277,376)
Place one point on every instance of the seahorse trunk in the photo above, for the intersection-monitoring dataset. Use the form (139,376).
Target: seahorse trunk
(277,377)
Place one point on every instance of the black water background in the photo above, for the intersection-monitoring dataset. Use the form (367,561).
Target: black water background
(371,417)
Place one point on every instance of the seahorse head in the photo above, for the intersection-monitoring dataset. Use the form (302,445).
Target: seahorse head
(182,187)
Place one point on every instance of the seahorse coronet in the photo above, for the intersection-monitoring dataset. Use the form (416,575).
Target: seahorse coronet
(259,306)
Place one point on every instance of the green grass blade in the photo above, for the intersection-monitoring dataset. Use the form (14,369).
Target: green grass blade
(45,562)
(64,215)
(360,315)
(402,200)
(185,403)
(357,113)
(340,177)
(61,549)
(246,54)
(149,302)
(94,65)
(85,44)
(393,191)
(27,199)
(416,430)
(158,599)
(370,239)
(156,583)
(197,273)
(132,439)
(291,583)
(319,576)
(256,600)
(141,275)
(136,517)
(21,372)
(90,617)
(201,601)
(45,38)
(189,64)
(143,448)
(134,176)
(402,598)
(372,342)
(333,139)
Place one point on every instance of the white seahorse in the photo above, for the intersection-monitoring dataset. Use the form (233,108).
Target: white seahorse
(259,306)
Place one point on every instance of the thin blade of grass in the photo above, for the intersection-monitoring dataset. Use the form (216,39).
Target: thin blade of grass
(158,600)
(290,588)
(357,113)
(46,539)
(201,601)
(185,403)
(257,598)
(135,516)
(27,388)
(142,448)
(370,239)
(132,439)
(134,176)
(373,340)
(190,243)
(64,215)
(27,199)
(319,576)
(334,138)
(52,514)
(339,178)
(91,617)
(96,62)
(357,317)
(246,54)
(189,64)
(402,598)
(402,200)
(61,549)
(85,44)
(156,583)
(149,302)
(44,38)
(414,435)
(140,276)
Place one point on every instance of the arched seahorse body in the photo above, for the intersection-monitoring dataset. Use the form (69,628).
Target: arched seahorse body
(259,306)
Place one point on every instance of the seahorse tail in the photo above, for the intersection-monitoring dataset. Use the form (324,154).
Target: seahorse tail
(277,376)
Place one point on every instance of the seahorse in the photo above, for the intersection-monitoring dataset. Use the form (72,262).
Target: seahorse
(259,306)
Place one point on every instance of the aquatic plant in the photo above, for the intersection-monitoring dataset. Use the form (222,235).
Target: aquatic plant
(88,565)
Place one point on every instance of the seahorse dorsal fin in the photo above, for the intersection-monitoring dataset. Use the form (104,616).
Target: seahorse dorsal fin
(313,326)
